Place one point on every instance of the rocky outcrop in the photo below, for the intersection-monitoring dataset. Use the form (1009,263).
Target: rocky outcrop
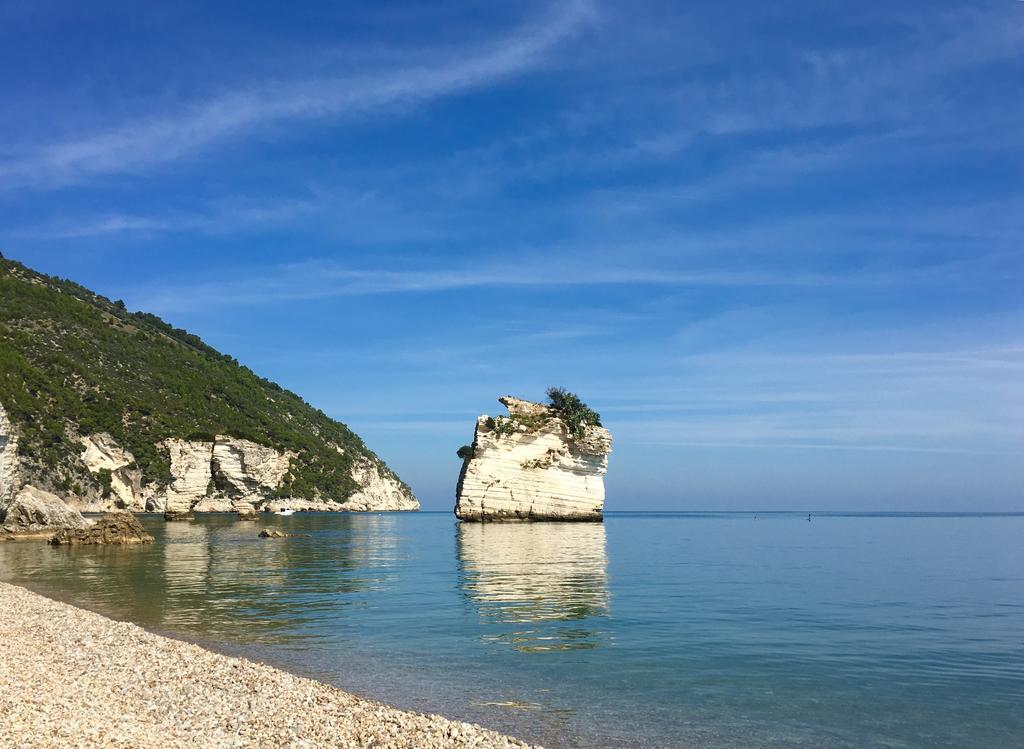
(236,475)
(116,528)
(226,474)
(191,476)
(33,512)
(380,491)
(245,470)
(247,512)
(102,454)
(10,481)
(529,466)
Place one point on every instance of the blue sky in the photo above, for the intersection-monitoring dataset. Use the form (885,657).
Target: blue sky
(777,245)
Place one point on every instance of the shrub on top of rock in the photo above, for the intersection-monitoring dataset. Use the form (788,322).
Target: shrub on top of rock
(574,413)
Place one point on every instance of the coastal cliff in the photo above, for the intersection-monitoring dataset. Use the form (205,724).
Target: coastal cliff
(237,475)
(533,465)
(109,409)
(10,480)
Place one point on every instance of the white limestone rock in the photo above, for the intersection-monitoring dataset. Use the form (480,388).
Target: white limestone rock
(380,491)
(191,474)
(527,466)
(32,512)
(219,476)
(245,470)
(103,452)
(10,472)
(227,474)
(237,475)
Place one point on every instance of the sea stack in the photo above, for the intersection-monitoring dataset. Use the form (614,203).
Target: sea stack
(537,463)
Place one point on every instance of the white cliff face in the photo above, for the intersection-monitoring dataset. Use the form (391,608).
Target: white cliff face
(246,469)
(225,475)
(10,478)
(236,475)
(190,476)
(102,452)
(379,490)
(528,467)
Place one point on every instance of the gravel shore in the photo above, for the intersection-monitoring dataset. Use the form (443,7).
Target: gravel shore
(72,678)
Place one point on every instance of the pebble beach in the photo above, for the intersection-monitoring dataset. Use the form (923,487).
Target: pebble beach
(74,678)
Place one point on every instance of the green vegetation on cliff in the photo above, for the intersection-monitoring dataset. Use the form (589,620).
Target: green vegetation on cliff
(574,413)
(73,363)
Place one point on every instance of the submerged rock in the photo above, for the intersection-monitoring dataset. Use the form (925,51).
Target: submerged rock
(274,533)
(531,466)
(34,512)
(120,528)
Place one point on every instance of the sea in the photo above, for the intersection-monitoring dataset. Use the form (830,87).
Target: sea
(691,629)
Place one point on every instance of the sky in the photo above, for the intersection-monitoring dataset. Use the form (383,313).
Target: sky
(776,245)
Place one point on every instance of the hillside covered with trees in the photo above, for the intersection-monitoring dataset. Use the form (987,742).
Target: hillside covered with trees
(73,363)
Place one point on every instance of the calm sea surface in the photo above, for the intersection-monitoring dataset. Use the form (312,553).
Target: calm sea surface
(672,630)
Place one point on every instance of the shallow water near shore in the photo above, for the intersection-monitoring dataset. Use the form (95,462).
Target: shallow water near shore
(668,629)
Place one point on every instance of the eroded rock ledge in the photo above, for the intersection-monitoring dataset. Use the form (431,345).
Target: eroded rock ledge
(226,474)
(236,475)
(34,513)
(529,466)
(114,528)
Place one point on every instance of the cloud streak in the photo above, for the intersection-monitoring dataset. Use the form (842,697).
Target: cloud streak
(226,218)
(320,280)
(258,106)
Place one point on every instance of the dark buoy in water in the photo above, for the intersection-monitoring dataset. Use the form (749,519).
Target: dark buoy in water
(808,517)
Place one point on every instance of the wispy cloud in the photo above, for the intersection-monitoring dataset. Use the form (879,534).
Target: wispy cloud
(866,106)
(322,280)
(169,136)
(227,217)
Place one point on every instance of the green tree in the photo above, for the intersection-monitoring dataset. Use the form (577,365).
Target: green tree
(574,413)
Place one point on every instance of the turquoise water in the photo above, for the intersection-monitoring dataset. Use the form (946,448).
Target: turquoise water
(672,630)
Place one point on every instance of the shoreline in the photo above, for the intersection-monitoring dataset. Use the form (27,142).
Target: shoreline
(72,677)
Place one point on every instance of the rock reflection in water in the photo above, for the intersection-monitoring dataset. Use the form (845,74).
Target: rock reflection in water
(549,578)
(213,577)
(275,590)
